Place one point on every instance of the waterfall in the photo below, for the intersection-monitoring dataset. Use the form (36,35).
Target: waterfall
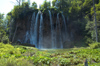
(52,28)
(26,37)
(65,28)
(56,35)
(41,32)
(60,36)
(35,30)
(32,29)
(55,39)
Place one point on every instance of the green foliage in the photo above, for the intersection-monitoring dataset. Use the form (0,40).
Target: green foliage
(3,36)
(45,5)
(90,26)
(1,16)
(61,5)
(1,21)
(97,64)
(13,61)
(34,5)
(75,8)
(65,57)
(53,3)
(97,11)
(87,6)
(94,45)
(16,12)
(12,56)
(20,11)
(29,56)
(8,49)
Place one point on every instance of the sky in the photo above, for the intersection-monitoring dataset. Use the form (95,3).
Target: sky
(7,5)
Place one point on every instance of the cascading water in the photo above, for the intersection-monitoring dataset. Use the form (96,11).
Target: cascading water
(35,30)
(65,28)
(32,29)
(53,40)
(26,37)
(41,32)
(56,35)
(59,27)
(52,29)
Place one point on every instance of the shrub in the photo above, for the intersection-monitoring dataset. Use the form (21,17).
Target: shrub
(5,39)
(94,45)
(12,61)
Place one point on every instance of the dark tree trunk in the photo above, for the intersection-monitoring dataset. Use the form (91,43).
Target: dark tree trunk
(14,33)
(95,22)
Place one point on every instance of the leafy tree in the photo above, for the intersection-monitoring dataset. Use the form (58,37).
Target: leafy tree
(1,21)
(45,5)
(19,11)
(74,9)
(97,11)
(91,29)
(53,3)
(34,5)
(3,35)
(91,33)
(25,5)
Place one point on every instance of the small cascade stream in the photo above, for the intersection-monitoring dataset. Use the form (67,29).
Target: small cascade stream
(26,37)
(35,30)
(52,29)
(59,27)
(32,29)
(41,32)
(65,27)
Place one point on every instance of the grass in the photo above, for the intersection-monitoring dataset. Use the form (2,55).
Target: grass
(18,55)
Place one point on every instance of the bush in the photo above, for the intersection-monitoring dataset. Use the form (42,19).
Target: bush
(20,11)
(12,61)
(3,36)
(94,45)
(5,39)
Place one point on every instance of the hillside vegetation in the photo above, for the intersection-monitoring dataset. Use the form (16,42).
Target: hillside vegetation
(29,56)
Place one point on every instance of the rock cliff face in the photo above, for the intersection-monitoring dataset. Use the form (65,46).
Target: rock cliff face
(60,36)
(23,26)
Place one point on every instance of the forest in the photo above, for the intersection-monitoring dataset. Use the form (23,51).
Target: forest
(57,33)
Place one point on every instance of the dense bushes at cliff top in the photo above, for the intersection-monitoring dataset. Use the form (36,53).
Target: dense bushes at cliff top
(29,56)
